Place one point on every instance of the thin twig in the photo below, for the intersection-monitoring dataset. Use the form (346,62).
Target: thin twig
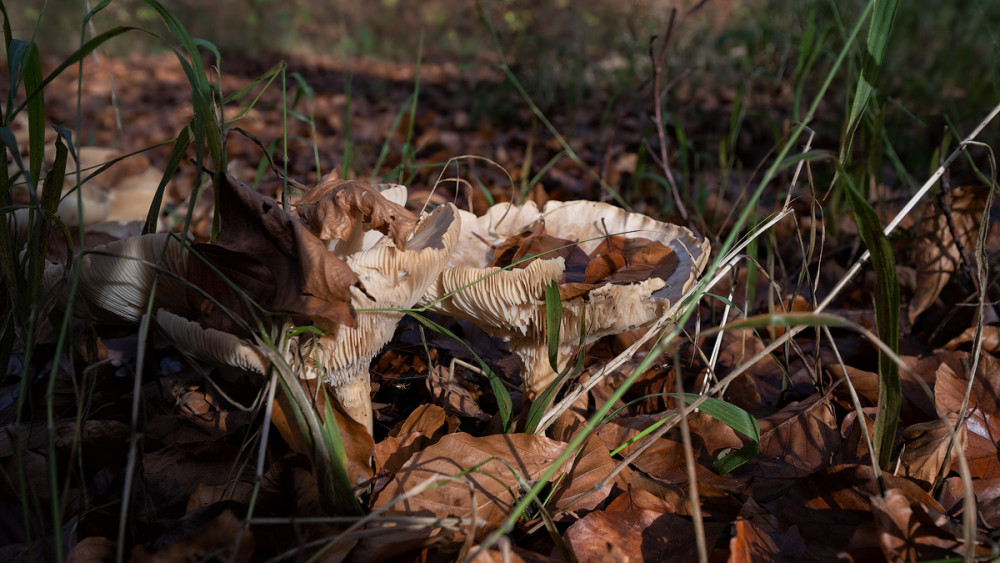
(691,467)
(658,117)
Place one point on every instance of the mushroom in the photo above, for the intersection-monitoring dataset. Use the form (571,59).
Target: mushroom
(116,279)
(509,303)
(394,270)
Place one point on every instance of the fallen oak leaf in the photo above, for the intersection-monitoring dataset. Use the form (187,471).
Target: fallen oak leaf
(982,417)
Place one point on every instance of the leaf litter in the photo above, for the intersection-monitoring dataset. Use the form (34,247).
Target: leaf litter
(810,494)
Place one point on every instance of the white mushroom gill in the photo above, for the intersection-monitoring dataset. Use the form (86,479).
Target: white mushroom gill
(210,345)
(116,279)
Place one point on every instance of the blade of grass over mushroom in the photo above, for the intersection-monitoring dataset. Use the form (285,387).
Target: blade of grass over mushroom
(541,404)
(553,318)
(323,437)
(334,445)
(504,402)
(51,191)
(886,321)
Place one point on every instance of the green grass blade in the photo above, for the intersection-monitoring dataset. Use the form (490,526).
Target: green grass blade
(74,58)
(541,403)
(7,34)
(886,321)
(553,320)
(879,30)
(176,157)
(341,483)
(206,124)
(735,418)
(32,76)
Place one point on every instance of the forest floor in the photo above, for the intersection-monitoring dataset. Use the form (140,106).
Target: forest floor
(202,488)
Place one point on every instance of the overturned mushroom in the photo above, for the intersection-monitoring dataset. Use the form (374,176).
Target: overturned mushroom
(116,279)
(509,303)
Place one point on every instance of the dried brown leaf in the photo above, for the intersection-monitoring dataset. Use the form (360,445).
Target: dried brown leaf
(927,448)
(429,420)
(391,453)
(635,536)
(800,438)
(335,208)
(216,536)
(831,510)
(750,544)
(358,442)
(450,394)
(982,419)
(991,338)
(93,549)
(639,499)
(664,460)
(500,462)
(908,530)
(272,259)
(937,254)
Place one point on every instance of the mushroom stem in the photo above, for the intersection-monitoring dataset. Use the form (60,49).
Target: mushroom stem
(533,355)
(355,398)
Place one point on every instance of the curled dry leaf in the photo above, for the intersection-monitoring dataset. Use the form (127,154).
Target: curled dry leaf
(750,544)
(334,208)
(928,446)
(499,463)
(938,254)
(991,339)
(799,438)
(429,420)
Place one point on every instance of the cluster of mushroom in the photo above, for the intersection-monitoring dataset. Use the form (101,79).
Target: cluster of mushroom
(356,257)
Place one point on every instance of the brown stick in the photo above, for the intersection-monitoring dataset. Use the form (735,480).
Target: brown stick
(658,94)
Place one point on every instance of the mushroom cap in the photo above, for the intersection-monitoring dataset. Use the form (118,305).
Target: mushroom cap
(510,303)
(210,345)
(116,279)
